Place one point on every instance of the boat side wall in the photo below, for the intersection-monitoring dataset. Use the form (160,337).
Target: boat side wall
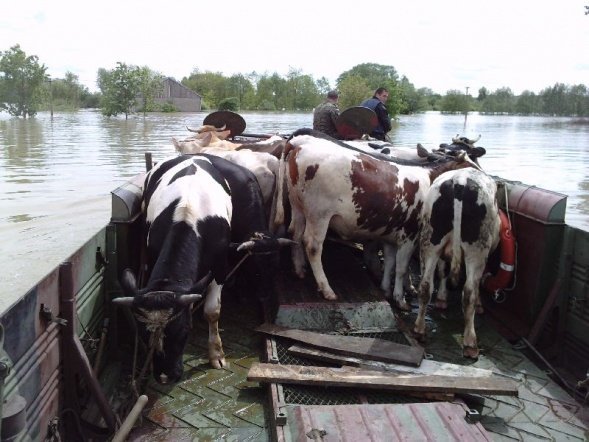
(32,339)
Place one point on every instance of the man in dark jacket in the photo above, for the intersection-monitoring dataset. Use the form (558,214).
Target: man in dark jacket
(326,114)
(377,104)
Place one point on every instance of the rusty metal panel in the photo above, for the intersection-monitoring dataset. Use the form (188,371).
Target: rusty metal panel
(439,421)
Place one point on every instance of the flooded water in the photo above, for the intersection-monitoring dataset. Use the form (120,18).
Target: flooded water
(56,174)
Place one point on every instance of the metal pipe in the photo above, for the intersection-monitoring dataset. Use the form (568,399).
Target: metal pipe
(129,421)
(101,345)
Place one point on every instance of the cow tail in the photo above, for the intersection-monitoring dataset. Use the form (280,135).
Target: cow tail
(457,227)
(279,192)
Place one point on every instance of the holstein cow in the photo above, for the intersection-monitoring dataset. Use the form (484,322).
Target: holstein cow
(194,208)
(357,196)
(461,224)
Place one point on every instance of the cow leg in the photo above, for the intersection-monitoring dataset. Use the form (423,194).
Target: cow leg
(474,272)
(212,312)
(313,238)
(404,252)
(297,228)
(441,302)
(425,292)
(390,261)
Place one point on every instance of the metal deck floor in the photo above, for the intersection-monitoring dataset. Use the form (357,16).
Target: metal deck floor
(211,404)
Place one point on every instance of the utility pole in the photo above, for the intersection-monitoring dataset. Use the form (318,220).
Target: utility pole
(466,103)
(51,97)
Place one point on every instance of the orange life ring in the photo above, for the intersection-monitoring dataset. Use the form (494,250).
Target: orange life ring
(504,275)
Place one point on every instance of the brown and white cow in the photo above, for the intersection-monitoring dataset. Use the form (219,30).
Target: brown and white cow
(461,224)
(357,196)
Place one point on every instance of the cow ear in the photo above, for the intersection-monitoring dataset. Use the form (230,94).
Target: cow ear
(478,152)
(128,282)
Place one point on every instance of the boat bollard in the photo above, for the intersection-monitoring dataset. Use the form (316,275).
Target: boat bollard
(129,421)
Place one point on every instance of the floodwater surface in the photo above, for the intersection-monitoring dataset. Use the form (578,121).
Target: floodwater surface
(56,173)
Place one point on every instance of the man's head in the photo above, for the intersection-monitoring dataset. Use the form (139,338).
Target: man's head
(382,94)
(332,96)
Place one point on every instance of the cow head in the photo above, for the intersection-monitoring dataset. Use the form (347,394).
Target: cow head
(163,321)
(463,144)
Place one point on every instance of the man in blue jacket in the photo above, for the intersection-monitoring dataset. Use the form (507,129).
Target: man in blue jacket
(377,104)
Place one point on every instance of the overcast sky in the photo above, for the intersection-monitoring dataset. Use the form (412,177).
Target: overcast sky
(443,45)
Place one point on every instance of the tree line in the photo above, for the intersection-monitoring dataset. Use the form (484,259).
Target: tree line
(25,88)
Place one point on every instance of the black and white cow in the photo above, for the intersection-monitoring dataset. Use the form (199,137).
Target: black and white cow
(196,208)
(460,224)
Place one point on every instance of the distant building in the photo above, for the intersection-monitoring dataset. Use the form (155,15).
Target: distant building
(183,99)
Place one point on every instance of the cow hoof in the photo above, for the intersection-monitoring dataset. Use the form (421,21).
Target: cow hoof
(330,296)
(300,274)
(218,362)
(470,352)
(441,305)
(404,306)
(420,337)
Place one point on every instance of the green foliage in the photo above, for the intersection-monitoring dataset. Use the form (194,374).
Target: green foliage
(119,88)
(455,101)
(168,107)
(353,89)
(21,82)
(229,104)
(150,87)
(375,76)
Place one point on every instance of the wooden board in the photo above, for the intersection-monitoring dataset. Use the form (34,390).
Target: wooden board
(356,377)
(364,348)
(427,366)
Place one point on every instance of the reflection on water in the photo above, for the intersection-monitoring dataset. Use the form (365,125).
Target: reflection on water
(56,173)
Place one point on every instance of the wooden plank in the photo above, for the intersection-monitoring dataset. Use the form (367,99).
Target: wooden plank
(357,377)
(427,366)
(364,348)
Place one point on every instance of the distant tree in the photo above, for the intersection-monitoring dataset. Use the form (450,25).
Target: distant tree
(323,86)
(212,86)
(229,104)
(431,99)
(21,82)
(528,103)
(271,92)
(483,92)
(378,75)
(301,91)
(242,88)
(120,88)
(151,85)
(353,90)
(454,101)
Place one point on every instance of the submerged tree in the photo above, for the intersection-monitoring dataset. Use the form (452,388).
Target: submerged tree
(120,88)
(21,82)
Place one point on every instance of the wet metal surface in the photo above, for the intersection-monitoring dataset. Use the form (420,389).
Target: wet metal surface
(209,404)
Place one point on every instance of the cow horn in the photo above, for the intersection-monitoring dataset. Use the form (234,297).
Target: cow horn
(125,301)
(188,299)
(192,130)
(247,245)
(475,140)
(286,242)
(202,283)
(456,139)
(220,129)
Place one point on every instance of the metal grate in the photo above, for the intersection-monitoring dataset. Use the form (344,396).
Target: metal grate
(306,395)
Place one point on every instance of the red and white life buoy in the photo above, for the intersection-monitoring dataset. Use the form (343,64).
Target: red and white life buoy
(502,279)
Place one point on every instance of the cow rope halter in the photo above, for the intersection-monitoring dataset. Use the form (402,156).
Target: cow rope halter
(155,323)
